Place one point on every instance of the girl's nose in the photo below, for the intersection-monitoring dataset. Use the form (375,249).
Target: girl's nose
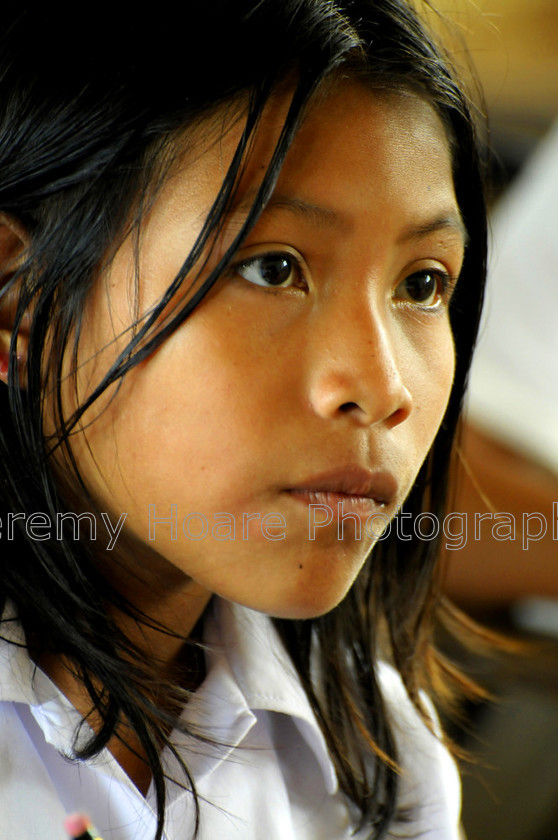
(358,371)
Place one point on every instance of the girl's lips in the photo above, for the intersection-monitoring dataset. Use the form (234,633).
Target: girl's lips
(339,503)
(352,486)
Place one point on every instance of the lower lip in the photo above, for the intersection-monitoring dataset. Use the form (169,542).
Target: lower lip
(339,503)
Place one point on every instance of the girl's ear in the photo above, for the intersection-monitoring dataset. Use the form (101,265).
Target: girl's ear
(13,241)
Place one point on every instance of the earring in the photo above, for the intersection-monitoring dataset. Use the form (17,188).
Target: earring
(5,364)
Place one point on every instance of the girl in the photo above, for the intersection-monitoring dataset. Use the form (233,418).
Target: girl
(233,344)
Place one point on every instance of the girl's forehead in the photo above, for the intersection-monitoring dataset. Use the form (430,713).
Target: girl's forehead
(392,130)
(340,106)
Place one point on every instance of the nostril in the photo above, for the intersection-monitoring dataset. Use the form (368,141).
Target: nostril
(398,416)
(348,406)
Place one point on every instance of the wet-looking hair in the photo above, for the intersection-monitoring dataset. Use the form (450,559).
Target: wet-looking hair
(90,112)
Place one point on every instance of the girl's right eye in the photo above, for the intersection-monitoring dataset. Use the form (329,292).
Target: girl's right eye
(278,270)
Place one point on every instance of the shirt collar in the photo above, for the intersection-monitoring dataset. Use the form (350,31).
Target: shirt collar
(22,681)
(265,675)
(16,668)
(248,670)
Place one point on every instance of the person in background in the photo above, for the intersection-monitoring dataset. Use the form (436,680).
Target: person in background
(510,469)
(510,443)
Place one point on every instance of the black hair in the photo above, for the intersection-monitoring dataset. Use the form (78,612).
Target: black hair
(89,112)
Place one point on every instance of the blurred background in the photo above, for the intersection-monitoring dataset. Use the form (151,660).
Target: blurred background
(509,460)
(514,48)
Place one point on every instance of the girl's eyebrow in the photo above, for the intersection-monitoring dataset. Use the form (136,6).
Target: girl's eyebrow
(325,217)
(319,216)
(451,221)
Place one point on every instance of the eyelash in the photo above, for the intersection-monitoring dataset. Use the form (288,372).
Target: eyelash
(444,281)
(294,264)
(444,287)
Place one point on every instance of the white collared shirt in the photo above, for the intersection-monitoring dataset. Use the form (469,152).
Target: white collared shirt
(514,376)
(273,781)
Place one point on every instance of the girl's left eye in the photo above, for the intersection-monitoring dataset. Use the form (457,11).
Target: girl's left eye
(275,270)
(425,288)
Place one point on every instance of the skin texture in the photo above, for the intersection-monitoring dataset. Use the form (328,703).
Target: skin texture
(263,389)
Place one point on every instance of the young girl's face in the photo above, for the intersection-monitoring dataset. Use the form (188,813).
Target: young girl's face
(316,372)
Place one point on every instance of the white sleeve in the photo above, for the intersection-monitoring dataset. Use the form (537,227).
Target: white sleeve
(429,801)
(514,380)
